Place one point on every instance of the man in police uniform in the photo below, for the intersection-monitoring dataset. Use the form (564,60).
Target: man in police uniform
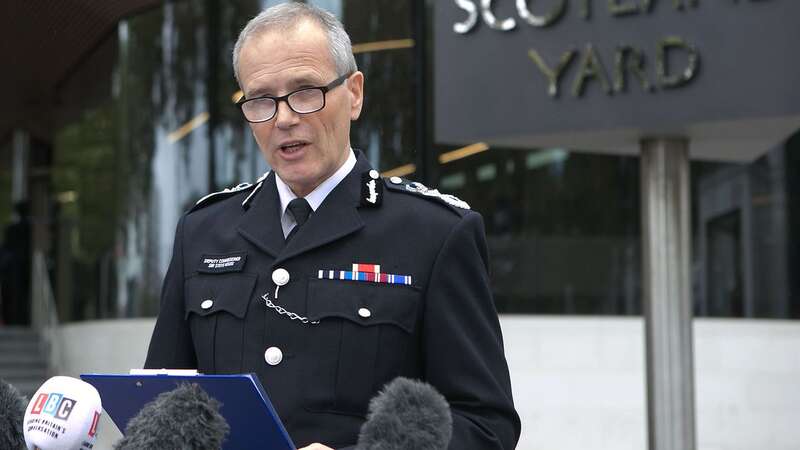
(323,278)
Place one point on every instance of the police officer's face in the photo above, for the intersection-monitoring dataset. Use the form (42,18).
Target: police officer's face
(304,149)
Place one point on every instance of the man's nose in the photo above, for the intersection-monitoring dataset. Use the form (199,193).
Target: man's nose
(285,117)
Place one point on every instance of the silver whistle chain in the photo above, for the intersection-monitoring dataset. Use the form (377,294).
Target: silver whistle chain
(283,311)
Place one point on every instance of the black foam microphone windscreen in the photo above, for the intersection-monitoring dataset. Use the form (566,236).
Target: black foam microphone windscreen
(12,413)
(407,415)
(184,418)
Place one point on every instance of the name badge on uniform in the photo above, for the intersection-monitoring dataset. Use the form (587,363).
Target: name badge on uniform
(229,262)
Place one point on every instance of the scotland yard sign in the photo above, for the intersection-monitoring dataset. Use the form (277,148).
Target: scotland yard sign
(517,68)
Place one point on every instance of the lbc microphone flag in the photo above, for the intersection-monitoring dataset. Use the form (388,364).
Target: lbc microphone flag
(63,415)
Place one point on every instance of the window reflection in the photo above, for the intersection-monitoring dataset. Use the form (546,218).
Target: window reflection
(5,183)
(562,227)
(15,244)
(385,130)
(745,242)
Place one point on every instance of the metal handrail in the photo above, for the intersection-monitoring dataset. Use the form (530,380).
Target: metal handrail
(44,315)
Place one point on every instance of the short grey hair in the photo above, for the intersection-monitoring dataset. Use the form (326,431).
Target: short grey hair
(286,15)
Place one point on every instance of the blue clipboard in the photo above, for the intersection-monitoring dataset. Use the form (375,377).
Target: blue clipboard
(245,405)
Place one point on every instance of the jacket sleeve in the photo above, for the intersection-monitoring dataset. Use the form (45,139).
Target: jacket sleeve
(463,344)
(171,344)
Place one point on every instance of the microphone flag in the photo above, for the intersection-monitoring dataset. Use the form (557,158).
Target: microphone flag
(63,415)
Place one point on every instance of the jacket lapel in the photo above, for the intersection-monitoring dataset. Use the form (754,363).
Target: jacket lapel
(335,218)
(261,224)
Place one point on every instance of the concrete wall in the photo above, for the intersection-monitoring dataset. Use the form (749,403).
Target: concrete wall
(579,382)
(107,346)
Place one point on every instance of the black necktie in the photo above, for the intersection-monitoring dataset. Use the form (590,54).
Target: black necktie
(300,209)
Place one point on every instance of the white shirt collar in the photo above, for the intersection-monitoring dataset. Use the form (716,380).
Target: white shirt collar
(315,197)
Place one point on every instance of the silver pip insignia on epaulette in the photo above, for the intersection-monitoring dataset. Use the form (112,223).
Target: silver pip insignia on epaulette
(371,189)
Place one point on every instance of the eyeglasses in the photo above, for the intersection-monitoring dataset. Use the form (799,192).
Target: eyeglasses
(302,101)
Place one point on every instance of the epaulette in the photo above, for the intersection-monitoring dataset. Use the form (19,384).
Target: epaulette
(227,192)
(415,187)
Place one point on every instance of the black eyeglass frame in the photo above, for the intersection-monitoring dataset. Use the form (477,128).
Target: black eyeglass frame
(285,98)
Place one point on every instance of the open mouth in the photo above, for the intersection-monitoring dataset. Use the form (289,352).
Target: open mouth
(293,147)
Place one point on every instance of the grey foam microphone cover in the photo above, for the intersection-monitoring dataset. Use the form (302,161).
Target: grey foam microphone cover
(405,415)
(186,418)
(12,413)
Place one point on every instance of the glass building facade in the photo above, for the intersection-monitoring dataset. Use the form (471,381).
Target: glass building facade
(147,125)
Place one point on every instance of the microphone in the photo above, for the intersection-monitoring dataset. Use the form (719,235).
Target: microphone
(184,418)
(63,415)
(407,415)
(12,412)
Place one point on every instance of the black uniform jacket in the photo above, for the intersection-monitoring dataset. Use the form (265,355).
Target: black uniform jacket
(442,328)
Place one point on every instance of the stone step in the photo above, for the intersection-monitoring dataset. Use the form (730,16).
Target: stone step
(20,343)
(22,359)
(17,373)
(12,343)
(13,346)
(12,331)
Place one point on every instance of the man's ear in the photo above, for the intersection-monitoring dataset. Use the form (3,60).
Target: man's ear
(355,85)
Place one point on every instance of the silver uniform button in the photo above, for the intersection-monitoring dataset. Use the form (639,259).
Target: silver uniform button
(273,356)
(207,304)
(280,276)
(364,312)
(396,180)
(374,174)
